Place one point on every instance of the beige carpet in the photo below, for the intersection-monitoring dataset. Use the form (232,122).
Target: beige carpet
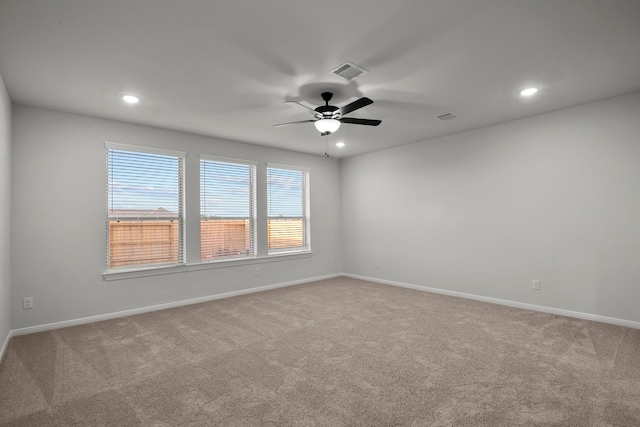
(339,352)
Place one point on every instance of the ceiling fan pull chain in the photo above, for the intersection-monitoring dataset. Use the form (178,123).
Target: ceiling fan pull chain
(326,145)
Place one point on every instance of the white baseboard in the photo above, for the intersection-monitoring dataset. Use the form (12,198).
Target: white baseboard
(107,316)
(5,344)
(515,304)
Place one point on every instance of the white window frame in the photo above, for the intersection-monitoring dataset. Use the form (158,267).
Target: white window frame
(252,219)
(180,217)
(305,210)
(191,258)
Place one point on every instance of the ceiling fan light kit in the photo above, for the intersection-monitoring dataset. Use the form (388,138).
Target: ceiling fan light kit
(327,126)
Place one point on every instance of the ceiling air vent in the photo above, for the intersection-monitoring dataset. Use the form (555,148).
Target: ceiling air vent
(349,71)
(448,116)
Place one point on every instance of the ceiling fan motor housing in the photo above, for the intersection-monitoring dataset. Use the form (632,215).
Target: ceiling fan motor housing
(327,110)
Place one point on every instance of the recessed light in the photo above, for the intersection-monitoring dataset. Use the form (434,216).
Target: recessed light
(529,91)
(339,144)
(130,99)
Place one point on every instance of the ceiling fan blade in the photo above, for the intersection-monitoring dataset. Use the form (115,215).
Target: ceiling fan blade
(302,105)
(366,122)
(358,103)
(292,123)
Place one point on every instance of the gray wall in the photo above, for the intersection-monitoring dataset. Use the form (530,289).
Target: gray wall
(58,219)
(552,197)
(555,197)
(5,208)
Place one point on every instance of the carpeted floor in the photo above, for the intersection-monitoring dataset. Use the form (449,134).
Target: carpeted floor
(339,352)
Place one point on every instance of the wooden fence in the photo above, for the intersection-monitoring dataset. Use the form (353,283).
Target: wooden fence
(224,238)
(135,242)
(285,233)
(143,242)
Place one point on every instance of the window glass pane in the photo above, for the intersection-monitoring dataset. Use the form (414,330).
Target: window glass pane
(227,210)
(288,210)
(144,209)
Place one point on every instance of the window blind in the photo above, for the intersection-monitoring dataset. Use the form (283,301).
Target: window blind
(227,210)
(145,207)
(288,209)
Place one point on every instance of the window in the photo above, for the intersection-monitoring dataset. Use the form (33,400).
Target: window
(227,209)
(287,209)
(145,207)
(146,199)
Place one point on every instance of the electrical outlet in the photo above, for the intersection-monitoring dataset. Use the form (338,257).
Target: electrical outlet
(535,284)
(256,271)
(27,303)
(377,264)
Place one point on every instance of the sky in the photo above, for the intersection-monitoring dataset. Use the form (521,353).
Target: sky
(284,192)
(144,181)
(224,189)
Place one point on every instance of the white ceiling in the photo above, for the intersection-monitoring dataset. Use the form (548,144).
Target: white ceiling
(225,68)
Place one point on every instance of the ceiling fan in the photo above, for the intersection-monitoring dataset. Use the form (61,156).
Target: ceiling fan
(328,118)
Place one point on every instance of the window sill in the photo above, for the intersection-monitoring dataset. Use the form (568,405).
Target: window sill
(111,275)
